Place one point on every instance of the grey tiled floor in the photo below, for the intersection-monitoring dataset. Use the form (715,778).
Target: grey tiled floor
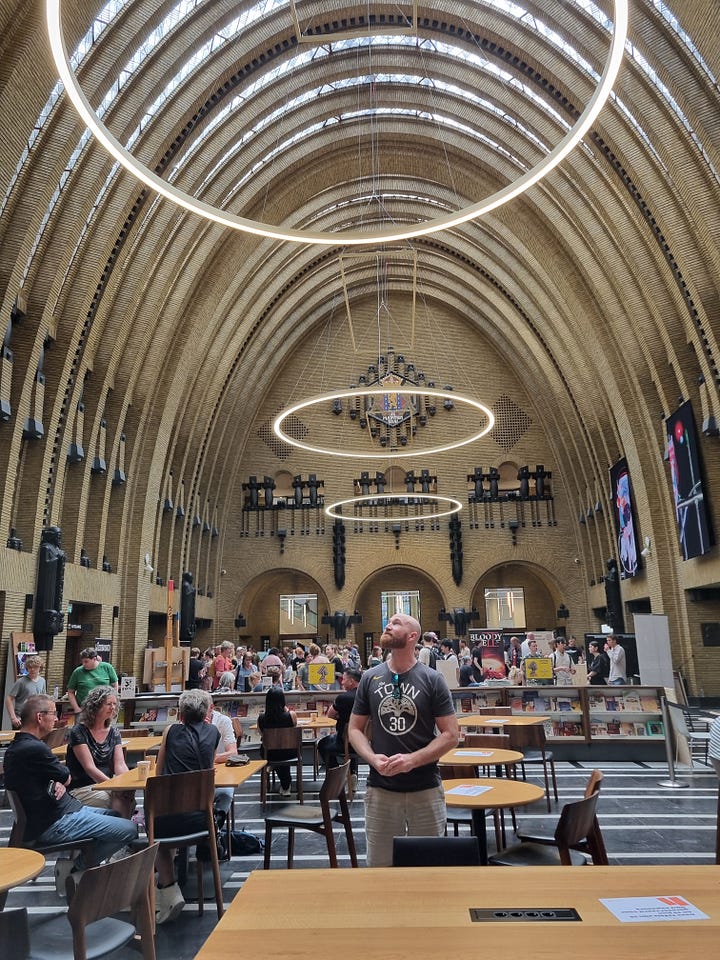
(642,822)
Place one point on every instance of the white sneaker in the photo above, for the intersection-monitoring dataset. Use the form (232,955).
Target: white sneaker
(169,903)
(63,869)
(285,791)
(120,854)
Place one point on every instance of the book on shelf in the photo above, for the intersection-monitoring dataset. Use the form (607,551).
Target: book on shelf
(596,701)
(613,703)
(613,728)
(149,716)
(627,729)
(575,705)
(564,704)
(466,705)
(639,730)
(655,728)
(172,715)
(632,702)
(649,703)
(516,703)
(569,728)
(162,714)
(598,729)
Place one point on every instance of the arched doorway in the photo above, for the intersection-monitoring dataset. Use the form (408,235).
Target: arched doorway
(538,587)
(394,578)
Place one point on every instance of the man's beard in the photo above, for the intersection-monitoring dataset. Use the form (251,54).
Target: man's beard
(390,642)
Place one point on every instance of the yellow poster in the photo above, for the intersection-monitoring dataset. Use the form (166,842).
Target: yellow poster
(321,674)
(538,668)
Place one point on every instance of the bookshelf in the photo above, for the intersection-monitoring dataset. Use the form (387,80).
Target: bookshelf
(583,722)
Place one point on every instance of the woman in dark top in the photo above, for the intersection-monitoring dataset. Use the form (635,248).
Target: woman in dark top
(186,746)
(197,669)
(95,753)
(598,665)
(277,715)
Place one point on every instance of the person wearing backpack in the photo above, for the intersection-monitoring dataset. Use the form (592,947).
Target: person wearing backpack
(429,650)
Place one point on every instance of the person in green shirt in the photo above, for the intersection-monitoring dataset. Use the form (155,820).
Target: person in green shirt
(92,672)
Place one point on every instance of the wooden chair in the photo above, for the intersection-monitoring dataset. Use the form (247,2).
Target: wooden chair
(347,753)
(14,933)
(299,816)
(287,739)
(531,741)
(56,738)
(462,816)
(93,900)
(131,732)
(496,711)
(178,793)
(436,852)
(17,832)
(593,844)
(575,826)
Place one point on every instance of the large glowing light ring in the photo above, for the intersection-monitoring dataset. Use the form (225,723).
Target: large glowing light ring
(373,452)
(372,499)
(391,234)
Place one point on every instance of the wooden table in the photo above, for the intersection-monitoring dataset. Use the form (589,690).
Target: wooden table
(482,720)
(501,793)
(224,777)
(477,757)
(385,914)
(141,745)
(18,865)
(7,736)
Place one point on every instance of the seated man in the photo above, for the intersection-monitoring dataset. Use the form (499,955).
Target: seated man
(332,744)
(53,815)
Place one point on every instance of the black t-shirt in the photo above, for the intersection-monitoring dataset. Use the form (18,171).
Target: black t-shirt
(600,668)
(190,746)
(343,705)
(29,766)
(195,668)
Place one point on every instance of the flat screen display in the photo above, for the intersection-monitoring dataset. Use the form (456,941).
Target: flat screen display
(687,487)
(624,513)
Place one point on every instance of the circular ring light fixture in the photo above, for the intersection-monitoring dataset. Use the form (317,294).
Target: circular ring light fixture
(352,237)
(454,506)
(372,452)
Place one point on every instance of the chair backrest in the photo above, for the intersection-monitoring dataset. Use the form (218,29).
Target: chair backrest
(496,711)
(487,741)
(56,738)
(179,793)
(436,852)
(527,737)
(594,783)
(335,782)
(575,826)
(113,886)
(134,732)
(237,729)
(457,771)
(17,831)
(282,738)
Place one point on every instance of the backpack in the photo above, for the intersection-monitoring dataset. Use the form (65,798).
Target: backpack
(433,658)
(246,844)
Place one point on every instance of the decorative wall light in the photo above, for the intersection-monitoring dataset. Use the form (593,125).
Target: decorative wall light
(393,499)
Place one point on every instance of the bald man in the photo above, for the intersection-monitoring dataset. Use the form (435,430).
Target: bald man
(413,724)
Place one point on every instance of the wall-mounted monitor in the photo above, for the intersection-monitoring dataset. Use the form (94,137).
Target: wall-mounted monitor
(685,471)
(625,522)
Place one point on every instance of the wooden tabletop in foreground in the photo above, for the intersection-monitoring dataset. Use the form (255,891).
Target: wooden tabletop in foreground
(18,865)
(424,913)
(224,777)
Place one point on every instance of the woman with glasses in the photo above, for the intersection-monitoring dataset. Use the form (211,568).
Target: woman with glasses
(95,753)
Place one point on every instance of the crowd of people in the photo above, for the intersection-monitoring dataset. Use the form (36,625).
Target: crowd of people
(397,714)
